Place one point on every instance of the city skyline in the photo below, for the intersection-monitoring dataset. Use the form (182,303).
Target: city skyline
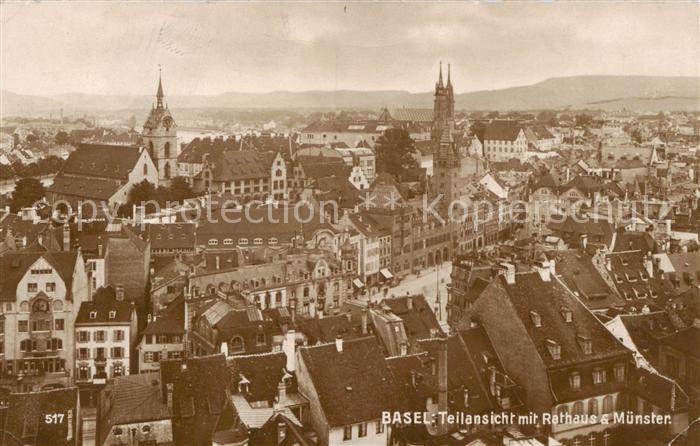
(305,47)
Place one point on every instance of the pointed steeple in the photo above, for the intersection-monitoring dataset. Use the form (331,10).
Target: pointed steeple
(449,82)
(440,84)
(159,94)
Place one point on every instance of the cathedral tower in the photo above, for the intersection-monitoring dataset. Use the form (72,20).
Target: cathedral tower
(446,157)
(160,138)
(443,106)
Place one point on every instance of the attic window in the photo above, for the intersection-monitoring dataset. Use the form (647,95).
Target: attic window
(640,294)
(626,295)
(618,279)
(566,314)
(575,381)
(93,315)
(536,319)
(631,277)
(112,314)
(585,343)
(653,293)
(624,262)
(644,276)
(554,349)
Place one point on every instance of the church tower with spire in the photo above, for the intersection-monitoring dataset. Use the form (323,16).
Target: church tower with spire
(443,106)
(446,157)
(160,138)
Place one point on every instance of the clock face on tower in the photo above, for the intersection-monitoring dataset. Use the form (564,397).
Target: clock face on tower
(168,122)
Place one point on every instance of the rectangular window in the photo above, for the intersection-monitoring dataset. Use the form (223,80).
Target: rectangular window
(83,336)
(83,353)
(347,433)
(118,335)
(59,324)
(598,376)
(32,287)
(148,357)
(22,326)
(575,381)
(380,427)
(117,352)
(100,336)
(260,339)
(619,372)
(50,287)
(363,430)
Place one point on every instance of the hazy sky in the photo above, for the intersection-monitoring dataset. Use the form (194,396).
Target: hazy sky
(209,48)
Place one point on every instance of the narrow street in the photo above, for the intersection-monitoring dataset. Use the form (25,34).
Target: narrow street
(426,284)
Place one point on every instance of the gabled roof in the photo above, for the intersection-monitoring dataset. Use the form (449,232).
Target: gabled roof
(420,320)
(94,188)
(172,235)
(325,329)
(13,266)
(502,130)
(579,274)
(263,372)
(239,165)
(685,341)
(354,385)
(137,399)
(194,151)
(102,161)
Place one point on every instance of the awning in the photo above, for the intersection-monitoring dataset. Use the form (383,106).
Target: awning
(386,273)
(358,283)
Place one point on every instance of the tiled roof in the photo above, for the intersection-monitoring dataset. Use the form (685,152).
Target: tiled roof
(420,320)
(200,387)
(262,371)
(25,417)
(346,127)
(413,114)
(549,300)
(194,151)
(103,303)
(137,398)
(102,161)
(635,240)
(95,188)
(325,329)
(685,341)
(170,321)
(239,165)
(172,236)
(354,385)
(633,282)
(500,130)
(578,272)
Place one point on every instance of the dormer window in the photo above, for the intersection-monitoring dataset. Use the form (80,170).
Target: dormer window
(626,295)
(554,349)
(653,293)
(585,343)
(93,315)
(640,294)
(243,385)
(112,314)
(631,277)
(618,279)
(644,276)
(536,319)
(624,261)
(567,315)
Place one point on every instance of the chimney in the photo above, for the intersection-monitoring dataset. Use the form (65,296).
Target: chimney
(319,314)
(218,263)
(289,350)
(348,314)
(442,384)
(409,302)
(584,241)
(649,264)
(404,349)
(281,391)
(544,272)
(99,249)
(608,263)
(66,237)
(339,343)
(312,308)
(224,348)
(510,273)
(364,321)
(119,292)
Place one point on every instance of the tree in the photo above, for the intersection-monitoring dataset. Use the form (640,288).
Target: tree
(395,153)
(27,192)
(493,115)
(179,190)
(583,119)
(62,138)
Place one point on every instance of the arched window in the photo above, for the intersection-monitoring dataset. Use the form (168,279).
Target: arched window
(236,344)
(166,171)
(24,307)
(166,150)
(608,404)
(593,406)
(57,305)
(40,306)
(578,408)
(243,241)
(150,148)
(145,169)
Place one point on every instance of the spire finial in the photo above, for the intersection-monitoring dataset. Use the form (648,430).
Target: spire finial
(159,94)
(449,83)
(440,78)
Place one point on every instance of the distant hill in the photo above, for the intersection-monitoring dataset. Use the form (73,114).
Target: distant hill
(639,93)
